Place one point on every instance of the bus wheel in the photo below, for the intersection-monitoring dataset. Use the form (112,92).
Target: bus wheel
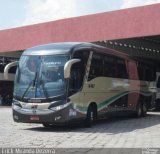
(144,109)
(91,116)
(138,112)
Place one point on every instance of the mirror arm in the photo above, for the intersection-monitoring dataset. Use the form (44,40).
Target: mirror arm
(7,67)
(67,67)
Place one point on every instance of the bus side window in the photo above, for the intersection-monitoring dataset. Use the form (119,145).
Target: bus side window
(109,70)
(121,67)
(146,71)
(149,73)
(96,68)
(112,68)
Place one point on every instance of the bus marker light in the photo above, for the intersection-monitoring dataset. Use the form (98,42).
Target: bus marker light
(72,112)
(57,118)
(16,117)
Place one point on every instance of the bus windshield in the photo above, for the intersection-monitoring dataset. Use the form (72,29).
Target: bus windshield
(40,76)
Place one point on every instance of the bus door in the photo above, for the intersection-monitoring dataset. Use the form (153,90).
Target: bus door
(77,75)
(134,85)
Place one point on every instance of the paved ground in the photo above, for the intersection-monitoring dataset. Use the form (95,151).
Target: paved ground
(113,133)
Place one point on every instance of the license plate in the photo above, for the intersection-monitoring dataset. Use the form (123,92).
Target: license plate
(35,118)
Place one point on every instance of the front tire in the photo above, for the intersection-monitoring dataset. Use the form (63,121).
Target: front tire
(91,116)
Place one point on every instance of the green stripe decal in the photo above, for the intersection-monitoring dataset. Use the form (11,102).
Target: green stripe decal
(112,99)
(108,101)
(104,103)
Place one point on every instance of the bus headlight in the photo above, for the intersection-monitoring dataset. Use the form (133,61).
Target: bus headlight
(16,105)
(60,107)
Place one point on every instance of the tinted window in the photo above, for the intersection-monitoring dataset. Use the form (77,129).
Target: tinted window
(108,66)
(146,72)
(114,67)
(121,68)
(78,70)
(96,68)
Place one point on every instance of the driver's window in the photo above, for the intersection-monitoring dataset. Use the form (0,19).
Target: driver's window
(76,78)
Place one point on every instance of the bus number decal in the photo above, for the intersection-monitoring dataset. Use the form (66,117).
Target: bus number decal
(91,85)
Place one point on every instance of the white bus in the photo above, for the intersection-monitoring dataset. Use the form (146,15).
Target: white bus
(60,83)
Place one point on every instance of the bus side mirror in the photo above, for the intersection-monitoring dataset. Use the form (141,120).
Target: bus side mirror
(7,67)
(67,67)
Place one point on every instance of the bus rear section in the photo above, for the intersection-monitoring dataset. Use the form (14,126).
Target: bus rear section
(157,105)
(142,81)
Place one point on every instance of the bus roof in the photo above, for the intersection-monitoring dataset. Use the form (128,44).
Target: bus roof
(67,48)
(51,48)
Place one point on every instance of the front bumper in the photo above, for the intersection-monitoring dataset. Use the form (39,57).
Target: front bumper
(42,116)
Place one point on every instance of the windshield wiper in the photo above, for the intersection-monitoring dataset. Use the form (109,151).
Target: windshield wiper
(41,82)
(32,83)
(44,89)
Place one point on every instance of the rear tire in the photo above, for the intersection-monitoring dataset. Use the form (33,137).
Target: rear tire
(91,116)
(138,112)
(144,110)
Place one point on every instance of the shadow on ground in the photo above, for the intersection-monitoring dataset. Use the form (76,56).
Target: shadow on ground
(111,125)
